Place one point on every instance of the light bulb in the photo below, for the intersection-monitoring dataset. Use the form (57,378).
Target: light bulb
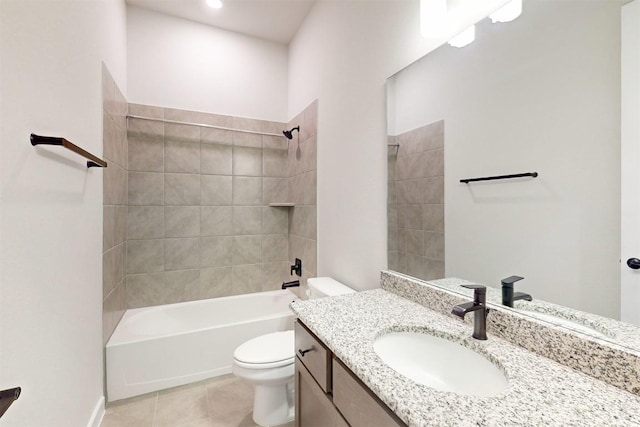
(508,12)
(464,38)
(214,4)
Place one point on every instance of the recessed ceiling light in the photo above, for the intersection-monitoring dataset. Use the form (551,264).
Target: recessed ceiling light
(214,4)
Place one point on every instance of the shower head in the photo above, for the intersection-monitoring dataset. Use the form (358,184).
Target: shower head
(289,133)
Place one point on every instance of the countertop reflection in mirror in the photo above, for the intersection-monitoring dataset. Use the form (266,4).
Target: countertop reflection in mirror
(541,93)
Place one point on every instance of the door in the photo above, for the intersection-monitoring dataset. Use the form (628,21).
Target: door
(630,165)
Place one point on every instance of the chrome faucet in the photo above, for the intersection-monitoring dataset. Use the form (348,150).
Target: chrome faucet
(508,296)
(479,307)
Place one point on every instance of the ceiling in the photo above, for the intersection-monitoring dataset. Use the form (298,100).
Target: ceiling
(274,20)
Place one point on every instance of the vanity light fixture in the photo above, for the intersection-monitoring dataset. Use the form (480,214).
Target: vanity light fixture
(214,4)
(464,38)
(433,18)
(508,12)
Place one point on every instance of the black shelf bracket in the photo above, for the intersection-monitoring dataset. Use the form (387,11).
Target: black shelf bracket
(7,397)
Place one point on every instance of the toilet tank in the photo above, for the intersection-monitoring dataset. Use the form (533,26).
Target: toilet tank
(326,287)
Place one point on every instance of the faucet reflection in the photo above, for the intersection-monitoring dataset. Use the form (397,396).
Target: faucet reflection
(508,296)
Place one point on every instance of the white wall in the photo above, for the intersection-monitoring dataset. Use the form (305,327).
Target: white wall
(342,55)
(51,206)
(521,100)
(181,64)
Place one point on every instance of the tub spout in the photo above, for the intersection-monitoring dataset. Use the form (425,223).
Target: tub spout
(292,284)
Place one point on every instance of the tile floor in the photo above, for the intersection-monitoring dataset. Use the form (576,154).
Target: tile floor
(224,401)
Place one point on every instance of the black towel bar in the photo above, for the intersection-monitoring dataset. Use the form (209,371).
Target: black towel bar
(492,178)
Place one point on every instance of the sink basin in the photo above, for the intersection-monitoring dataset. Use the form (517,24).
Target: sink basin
(440,364)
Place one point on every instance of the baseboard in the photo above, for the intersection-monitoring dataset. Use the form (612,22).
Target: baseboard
(98,414)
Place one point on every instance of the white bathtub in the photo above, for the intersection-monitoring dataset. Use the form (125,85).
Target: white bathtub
(169,345)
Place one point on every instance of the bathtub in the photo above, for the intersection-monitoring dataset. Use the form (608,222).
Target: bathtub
(153,348)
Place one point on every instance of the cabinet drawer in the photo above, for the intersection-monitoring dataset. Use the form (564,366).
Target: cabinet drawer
(357,404)
(314,355)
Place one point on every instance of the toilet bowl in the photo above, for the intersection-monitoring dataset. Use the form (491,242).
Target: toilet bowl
(268,362)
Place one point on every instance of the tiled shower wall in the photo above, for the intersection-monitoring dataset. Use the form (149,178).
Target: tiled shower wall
(199,220)
(416,202)
(114,140)
(302,166)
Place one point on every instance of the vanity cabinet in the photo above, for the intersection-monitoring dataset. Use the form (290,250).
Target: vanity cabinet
(328,394)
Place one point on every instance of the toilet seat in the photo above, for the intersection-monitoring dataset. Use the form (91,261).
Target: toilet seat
(266,351)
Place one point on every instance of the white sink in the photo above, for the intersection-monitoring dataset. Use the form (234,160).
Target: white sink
(439,363)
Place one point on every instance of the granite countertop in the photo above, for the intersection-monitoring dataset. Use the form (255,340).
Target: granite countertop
(541,392)
(618,332)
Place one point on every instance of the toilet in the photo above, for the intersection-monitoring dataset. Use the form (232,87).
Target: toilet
(268,362)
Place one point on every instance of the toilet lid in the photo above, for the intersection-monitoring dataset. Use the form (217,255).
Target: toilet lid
(269,348)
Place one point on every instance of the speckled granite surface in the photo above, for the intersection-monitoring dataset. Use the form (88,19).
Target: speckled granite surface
(541,392)
(620,333)
(600,358)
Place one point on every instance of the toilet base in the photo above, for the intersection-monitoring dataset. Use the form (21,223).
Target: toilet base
(273,405)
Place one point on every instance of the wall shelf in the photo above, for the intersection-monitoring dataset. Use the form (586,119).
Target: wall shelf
(282,205)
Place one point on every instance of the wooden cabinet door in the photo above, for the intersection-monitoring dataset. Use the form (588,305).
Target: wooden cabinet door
(313,406)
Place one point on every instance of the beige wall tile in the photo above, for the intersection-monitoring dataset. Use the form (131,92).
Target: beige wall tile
(273,274)
(409,216)
(216,136)
(183,285)
(216,159)
(145,256)
(182,221)
(247,250)
(433,217)
(216,251)
(434,135)
(121,224)
(434,245)
(275,220)
(216,190)
(216,282)
(182,155)
(146,188)
(145,222)
(275,247)
(275,190)
(216,220)
(247,161)
(433,163)
(275,163)
(146,111)
(247,139)
(145,290)
(114,185)
(434,190)
(181,189)
(113,310)
(246,279)
(247,220)
(139,127)
(181,254)
(108,227)
(247,190)
(146,153)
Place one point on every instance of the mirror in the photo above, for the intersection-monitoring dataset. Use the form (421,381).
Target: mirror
(538,94)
